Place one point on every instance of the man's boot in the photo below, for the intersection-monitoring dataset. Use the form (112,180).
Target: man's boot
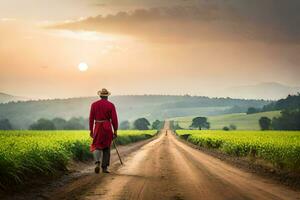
(97,168)
(104,170)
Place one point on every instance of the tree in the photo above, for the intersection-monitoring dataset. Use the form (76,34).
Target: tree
(200,122)
(125,125)
(59,123)
(232,127)
(156,125)
(265,123)
(225,128)
(252,110)
(289,120)
(5,124)
(291,102)
(42,124)
(141,124)
(75,124)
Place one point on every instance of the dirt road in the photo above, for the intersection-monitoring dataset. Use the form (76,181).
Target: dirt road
(166,168)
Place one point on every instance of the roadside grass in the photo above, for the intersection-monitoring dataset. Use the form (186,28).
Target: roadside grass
(26,154)
(280,148)
(241,120)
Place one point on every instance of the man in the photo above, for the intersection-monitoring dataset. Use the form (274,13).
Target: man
(103,117)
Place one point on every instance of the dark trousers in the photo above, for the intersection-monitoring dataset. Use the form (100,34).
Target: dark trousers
(105,157)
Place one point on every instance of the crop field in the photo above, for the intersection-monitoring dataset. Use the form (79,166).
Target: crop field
(241,120)
(27,153)
(281,148)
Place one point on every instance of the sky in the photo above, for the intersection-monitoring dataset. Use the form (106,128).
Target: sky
(196,47)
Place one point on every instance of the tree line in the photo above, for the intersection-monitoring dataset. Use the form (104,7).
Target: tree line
(75,123)
(291,102)
(80,123)
(290,114)
(141,124)
(289,120)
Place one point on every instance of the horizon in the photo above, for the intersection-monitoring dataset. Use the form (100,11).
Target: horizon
(294,91)
(25,99)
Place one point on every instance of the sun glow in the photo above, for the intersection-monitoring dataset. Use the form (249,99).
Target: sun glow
(83,67)
(86,35)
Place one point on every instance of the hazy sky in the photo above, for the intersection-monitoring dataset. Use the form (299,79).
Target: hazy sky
(142,46)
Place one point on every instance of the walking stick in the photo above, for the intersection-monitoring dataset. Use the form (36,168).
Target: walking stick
(117,152)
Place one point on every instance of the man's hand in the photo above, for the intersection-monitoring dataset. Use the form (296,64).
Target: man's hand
(115,134)
(91,134)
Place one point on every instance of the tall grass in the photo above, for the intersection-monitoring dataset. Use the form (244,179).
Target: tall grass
(24,154)
(281,148)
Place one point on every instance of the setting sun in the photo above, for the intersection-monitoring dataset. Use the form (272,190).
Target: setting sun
(83,67)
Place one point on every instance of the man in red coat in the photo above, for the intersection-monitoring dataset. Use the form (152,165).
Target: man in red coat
(103,129)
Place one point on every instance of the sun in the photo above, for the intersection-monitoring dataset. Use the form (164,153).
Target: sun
(83,67)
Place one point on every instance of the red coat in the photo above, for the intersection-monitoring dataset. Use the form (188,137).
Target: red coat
(102,132)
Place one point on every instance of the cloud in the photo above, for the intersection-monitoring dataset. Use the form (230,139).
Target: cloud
(272,21)
(83,35)
(99,4)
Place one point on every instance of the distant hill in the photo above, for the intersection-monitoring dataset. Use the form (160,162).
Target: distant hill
(270,90)
(244,121)
(241,120)
(5,98)
(22,114)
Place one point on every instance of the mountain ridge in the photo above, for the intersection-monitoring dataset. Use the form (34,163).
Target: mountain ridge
(22,114)
(6,98)
(264,90)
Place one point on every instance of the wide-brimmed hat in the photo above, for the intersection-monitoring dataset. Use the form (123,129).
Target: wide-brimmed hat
(104,92)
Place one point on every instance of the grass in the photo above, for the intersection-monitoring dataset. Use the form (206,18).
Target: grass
(281,148)
(190,111)
(24,154)
(241,120)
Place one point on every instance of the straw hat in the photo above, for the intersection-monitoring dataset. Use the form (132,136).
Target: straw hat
(104,92)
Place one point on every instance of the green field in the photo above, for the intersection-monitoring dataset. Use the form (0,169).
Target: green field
(241,120)
(281,148)
(27,153)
